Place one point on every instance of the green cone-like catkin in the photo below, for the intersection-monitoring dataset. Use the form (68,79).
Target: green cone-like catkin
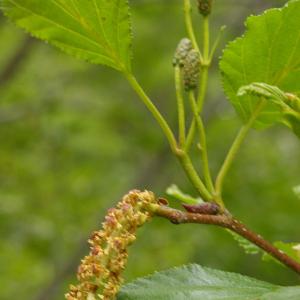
(182,50)
(191,70)
(204,7)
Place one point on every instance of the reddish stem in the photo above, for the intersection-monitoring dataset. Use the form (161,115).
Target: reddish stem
(226,221)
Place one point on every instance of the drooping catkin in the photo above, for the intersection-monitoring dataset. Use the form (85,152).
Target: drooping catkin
(100,272)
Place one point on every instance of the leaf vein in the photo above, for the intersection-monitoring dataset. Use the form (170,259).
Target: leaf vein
(57,24)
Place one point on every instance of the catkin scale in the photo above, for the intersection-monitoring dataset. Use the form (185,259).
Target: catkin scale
(182,50)
(100,272)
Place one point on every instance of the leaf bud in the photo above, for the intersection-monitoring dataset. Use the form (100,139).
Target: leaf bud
(182,50)
(204,7)
(293,101)
(207,208)
(191,70)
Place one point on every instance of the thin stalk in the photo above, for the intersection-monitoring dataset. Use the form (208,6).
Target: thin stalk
(193,175)
(190,136)
(180,107)
(154,111)
(203,80)
(203,144)
(235,148)
(202,87)
(216,43)
(182,156)
(189,25)
(200,101)
(226,221)
(205,64)
(206,39)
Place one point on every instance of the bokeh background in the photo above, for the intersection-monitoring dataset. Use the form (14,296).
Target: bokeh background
(74,138)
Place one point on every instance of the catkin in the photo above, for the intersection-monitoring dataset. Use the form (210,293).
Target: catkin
(182,50)
(100,272)
(204,7)
(191,70)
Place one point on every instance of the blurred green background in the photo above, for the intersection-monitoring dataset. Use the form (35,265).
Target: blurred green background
(75,138)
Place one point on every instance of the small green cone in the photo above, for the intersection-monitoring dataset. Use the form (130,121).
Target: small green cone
(182,50)
(191,70)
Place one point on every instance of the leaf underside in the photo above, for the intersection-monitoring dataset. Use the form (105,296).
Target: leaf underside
(194,282)
(288,104)
(268,52)
(97,31)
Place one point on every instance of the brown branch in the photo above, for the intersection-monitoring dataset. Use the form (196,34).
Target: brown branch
(226,221)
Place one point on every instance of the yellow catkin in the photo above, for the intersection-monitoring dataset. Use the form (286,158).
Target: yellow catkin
(99,273)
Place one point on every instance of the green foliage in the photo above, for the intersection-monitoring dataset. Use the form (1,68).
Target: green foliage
(60,177)
(97,31)
(174,191)
(288,104)
(268,52)
(292,119)
(289,248)
(263,90)
(195,282)
(246,245)
(285,293)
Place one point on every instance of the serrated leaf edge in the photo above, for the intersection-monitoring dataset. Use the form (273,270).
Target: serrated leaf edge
(240,38)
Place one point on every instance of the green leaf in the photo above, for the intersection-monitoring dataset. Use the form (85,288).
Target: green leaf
(97,31)
(268,52)
(194,282)
(284,293)
(288,104)
(264,90)
(174,191)
(248,247)
(292,119)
